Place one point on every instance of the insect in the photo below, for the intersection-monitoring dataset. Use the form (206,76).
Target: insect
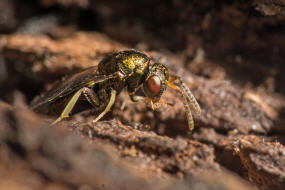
(99,86)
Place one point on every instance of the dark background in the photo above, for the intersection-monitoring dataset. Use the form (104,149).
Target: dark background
(231,54)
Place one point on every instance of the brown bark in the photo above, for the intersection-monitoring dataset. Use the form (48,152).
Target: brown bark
(230,56)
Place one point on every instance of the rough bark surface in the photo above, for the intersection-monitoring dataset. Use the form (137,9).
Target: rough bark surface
(230,54)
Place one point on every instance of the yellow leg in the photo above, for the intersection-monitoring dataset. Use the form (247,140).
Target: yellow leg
(108,107)
(89,95)
(69,106)
(136,98)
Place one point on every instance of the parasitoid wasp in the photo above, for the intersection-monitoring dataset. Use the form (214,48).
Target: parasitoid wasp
(100,85)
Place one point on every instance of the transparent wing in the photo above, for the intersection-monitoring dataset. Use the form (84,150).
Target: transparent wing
(86,78)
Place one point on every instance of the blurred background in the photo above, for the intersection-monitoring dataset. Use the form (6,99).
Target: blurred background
(239,40)
(231,53)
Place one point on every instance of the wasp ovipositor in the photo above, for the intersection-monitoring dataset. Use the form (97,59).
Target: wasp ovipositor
(100,85)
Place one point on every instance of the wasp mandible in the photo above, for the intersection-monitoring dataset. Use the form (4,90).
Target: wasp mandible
(100,85)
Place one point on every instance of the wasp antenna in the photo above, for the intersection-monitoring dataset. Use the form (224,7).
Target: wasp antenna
(190,120)
(170,83)
(182,88)
(187,92)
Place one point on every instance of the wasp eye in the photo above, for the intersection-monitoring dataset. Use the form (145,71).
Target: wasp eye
(154,84)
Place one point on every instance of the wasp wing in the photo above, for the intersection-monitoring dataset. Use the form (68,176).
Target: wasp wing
(86,78)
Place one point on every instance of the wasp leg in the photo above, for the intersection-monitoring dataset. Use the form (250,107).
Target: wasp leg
(126,100)
(108,107)
(136,98)
(89,95)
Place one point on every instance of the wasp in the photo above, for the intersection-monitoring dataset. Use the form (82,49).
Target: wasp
(100,85)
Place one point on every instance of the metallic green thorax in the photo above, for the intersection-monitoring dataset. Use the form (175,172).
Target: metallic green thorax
(132,65)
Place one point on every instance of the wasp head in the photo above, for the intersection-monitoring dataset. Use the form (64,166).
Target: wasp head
(156,81)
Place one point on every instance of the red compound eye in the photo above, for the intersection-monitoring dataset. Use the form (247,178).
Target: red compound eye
(154,84)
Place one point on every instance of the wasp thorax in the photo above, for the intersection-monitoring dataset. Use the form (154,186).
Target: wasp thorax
(156,81)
